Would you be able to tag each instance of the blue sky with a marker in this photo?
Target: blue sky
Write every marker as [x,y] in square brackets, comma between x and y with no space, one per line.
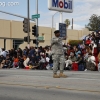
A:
[81,14]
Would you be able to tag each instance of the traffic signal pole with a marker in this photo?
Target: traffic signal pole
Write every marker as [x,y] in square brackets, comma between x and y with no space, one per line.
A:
[16,15]
[37,23]
[28,14]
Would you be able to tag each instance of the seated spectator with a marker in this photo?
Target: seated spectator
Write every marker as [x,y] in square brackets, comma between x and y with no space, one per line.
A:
[97,39]
[99,57]
[87,53]
[33,62]
[21,60]
[70,60]
[79,59]
[99,61]
[34,59]
[48,51]
[2,61]
[47,61]
[4,53]
[94,49]
[98,47]
[74,47]
[6,63]
[15,62]
[72,57]
[51,62]
[91,63]
[26,60]
[38,57]
[88,42]
[80,62]
[47,58]
[31,52]
[19,52]
[77,51]
[42,62]
[69,50]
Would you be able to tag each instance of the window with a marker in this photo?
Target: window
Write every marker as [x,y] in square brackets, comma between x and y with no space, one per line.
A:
[16,43]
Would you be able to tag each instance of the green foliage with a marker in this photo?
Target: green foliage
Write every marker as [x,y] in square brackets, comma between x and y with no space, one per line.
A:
[75,42]
[67,22]
[94,23]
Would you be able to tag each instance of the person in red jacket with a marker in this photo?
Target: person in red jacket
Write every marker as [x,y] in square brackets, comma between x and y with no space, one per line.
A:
[88,41]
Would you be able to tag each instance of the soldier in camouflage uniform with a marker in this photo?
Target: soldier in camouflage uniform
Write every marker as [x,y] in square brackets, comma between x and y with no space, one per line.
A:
[58,55]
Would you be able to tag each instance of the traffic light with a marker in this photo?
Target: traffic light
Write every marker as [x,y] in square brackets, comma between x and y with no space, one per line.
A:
[35,41]
[34,28]
[26,39]
[25,25]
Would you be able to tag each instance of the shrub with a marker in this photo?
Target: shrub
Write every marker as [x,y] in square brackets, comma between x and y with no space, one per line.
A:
[75,42]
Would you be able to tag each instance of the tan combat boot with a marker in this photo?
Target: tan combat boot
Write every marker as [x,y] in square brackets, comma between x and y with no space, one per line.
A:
[62,75]
[56,76]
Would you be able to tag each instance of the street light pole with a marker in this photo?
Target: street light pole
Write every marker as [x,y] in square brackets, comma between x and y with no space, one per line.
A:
[52,22]
[61,17]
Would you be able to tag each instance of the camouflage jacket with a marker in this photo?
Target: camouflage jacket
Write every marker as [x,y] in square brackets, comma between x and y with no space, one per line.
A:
[57,45]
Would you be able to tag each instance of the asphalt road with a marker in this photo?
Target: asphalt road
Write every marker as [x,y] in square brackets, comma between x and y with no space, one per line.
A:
[40,85]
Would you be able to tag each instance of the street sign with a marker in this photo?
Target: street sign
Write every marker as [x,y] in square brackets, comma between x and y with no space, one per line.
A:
[41,38]
[62,29]
[36,16]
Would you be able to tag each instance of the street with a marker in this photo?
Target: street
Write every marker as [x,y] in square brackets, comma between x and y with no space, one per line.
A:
[40,85]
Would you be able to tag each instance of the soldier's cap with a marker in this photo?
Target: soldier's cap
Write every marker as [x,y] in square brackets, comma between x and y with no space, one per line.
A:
[57,31]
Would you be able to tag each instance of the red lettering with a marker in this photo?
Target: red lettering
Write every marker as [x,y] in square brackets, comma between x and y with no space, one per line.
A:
[61,4]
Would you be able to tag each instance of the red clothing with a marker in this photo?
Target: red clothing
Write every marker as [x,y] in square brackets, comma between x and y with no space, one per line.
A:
[16,60]
[88,41]
[96,62]
[69,51]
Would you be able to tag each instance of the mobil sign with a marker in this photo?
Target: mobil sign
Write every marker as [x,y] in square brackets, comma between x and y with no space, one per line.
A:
[61,5]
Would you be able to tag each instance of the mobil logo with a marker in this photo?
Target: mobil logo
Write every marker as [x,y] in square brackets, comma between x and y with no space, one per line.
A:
[62,4]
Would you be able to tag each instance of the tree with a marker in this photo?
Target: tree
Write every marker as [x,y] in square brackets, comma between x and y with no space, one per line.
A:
[94,23]
[67,22]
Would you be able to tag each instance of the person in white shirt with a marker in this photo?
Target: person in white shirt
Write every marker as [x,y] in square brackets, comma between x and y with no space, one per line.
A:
[47,61]
[26,60]
[0,51]
[4,53]
[91,63]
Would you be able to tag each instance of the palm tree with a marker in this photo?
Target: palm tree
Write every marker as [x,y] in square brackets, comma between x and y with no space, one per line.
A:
[67,22]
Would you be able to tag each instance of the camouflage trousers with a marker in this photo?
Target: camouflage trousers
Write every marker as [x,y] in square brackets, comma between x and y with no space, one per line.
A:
[58,62]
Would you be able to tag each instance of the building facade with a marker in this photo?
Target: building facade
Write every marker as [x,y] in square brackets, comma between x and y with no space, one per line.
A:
[11,34]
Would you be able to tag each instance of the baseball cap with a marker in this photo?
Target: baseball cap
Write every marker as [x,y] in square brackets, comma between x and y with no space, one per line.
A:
[57,31]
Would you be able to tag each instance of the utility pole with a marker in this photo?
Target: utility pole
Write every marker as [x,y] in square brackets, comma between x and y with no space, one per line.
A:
[72,23]
[28,14]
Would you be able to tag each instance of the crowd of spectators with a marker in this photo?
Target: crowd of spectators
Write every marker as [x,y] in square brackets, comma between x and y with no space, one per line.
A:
[85,56]
[35,58]
[82,57]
